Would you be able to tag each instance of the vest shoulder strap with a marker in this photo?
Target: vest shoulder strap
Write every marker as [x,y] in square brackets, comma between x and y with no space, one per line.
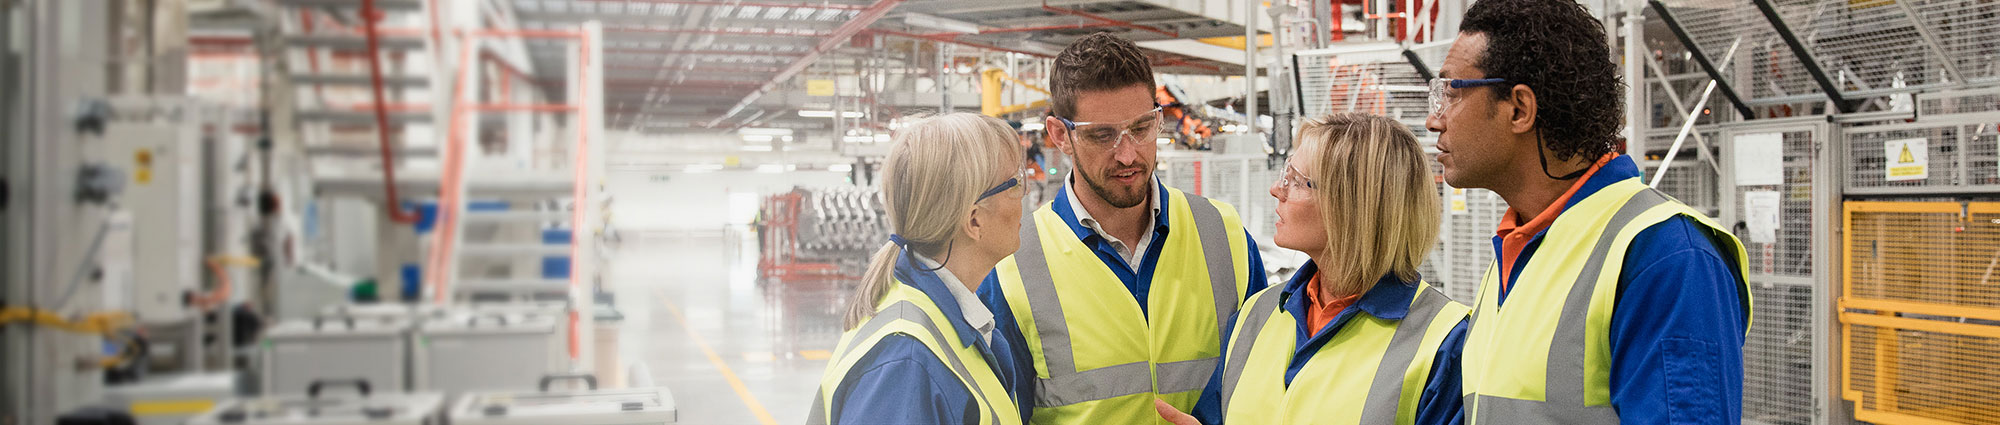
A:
[1248,326]
[906,318]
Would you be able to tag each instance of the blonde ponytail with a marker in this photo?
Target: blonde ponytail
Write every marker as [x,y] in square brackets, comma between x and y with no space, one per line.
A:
[934,172]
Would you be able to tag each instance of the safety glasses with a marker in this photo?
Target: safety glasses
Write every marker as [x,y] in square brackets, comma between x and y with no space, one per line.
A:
[1444,91]
[1107,135]
[1010,183]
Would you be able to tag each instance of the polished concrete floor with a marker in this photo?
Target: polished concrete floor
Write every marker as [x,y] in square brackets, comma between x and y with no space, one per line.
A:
[733,349]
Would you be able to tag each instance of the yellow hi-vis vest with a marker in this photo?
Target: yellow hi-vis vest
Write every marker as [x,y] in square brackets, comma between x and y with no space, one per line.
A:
[1098,358]
[1371,372]
[1546,357]
[905,310]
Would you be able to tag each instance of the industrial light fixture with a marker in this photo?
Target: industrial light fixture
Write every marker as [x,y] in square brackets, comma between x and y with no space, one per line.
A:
[1032,125]
[757,138]
[828,114]
[756,148]
[840,168]
[941,24]
[771,168]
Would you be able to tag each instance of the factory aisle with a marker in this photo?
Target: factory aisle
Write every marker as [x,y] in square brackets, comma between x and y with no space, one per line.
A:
[732,350]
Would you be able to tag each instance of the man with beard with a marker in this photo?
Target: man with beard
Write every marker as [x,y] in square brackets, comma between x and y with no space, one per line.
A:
[1122,285]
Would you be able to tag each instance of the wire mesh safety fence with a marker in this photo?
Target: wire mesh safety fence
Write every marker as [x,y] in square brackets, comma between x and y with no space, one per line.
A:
[1376,81]
[1921,310]
[1774,220]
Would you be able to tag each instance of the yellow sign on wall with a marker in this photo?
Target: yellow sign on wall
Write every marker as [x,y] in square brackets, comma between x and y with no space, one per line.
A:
[819,87]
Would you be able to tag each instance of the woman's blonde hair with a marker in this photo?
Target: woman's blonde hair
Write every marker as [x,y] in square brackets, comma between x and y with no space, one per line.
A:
[935,171]
[1376,194]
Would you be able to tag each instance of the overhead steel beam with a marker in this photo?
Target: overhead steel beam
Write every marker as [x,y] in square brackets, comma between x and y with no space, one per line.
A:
[953,39]
[1721,84]
[840,36]
[820,5]
[1799,51]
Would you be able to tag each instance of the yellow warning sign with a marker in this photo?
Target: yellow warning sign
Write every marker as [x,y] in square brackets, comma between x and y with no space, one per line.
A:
[1909,160]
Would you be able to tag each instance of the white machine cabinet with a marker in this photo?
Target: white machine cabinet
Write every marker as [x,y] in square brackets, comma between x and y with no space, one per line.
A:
[634,406]
[297,353]
[485,352]
[364,408]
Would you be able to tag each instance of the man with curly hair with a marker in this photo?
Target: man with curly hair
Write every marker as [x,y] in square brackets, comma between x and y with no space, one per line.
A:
[1609,302]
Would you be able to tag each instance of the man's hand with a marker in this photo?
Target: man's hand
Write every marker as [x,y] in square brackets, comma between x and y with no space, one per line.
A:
[1168,412]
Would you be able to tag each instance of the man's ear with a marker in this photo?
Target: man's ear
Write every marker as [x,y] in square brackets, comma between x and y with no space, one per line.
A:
[1522,100]
[1058,135]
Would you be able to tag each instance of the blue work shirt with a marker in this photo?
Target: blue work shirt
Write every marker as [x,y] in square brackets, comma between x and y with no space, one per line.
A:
[1441,402]
[1138,280]
[1677,325]
[902,381]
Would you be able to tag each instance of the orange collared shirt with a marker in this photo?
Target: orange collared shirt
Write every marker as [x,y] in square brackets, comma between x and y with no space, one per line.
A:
[1514,235]
[1319,310]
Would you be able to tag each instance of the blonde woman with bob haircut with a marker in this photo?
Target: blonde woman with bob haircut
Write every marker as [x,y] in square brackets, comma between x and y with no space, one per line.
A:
[918,339]
[1356,337]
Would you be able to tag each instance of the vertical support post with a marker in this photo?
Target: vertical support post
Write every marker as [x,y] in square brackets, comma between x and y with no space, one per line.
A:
[1250,67]
[1635,82]
[589,178]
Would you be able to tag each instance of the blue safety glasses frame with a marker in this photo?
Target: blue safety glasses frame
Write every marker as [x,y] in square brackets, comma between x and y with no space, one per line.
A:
[1442,97]
[997,189]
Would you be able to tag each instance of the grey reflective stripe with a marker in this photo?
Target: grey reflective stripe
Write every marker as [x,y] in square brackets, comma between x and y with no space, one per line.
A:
[907,311]
[1239,352]
[1185,375]
[1564,376]
[1065,384]
[1215,251]
[1502,410]
[1097,384]
[818,414]
[1385,395]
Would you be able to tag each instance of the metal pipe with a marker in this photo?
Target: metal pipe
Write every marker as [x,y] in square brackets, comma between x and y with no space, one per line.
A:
[1714,73]
[1688,124]
[1799,51]
[390,202]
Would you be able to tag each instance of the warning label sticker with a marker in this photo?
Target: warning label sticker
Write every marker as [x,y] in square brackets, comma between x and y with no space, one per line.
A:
[1907,159]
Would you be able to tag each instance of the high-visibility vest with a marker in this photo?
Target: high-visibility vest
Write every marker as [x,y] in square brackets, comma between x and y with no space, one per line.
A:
[905,310]
[1546,357]
[1098,358]
[1372,371]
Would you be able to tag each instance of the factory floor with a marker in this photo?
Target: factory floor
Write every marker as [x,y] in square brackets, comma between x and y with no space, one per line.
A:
[731,349]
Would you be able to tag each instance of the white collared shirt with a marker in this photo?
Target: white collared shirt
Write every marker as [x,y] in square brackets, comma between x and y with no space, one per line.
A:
[975,312]
[1133,252]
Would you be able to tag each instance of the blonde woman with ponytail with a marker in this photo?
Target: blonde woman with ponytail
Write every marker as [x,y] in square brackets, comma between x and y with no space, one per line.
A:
[918,340]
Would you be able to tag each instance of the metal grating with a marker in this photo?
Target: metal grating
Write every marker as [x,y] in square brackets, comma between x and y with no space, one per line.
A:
[1791,255]
[1923,312]
[1375,81]
[1982,155]
[1871,45]
[1777,355]
[1690,180]
[1868,162]
[1763,67]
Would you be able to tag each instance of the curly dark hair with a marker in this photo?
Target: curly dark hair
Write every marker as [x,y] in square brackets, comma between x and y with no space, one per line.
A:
[1096,62]
[1558,50]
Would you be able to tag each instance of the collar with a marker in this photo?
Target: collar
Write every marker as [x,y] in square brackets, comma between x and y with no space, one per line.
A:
[1073,213]
[910,272]
[1611,168]
[1389,299]
[975,312]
